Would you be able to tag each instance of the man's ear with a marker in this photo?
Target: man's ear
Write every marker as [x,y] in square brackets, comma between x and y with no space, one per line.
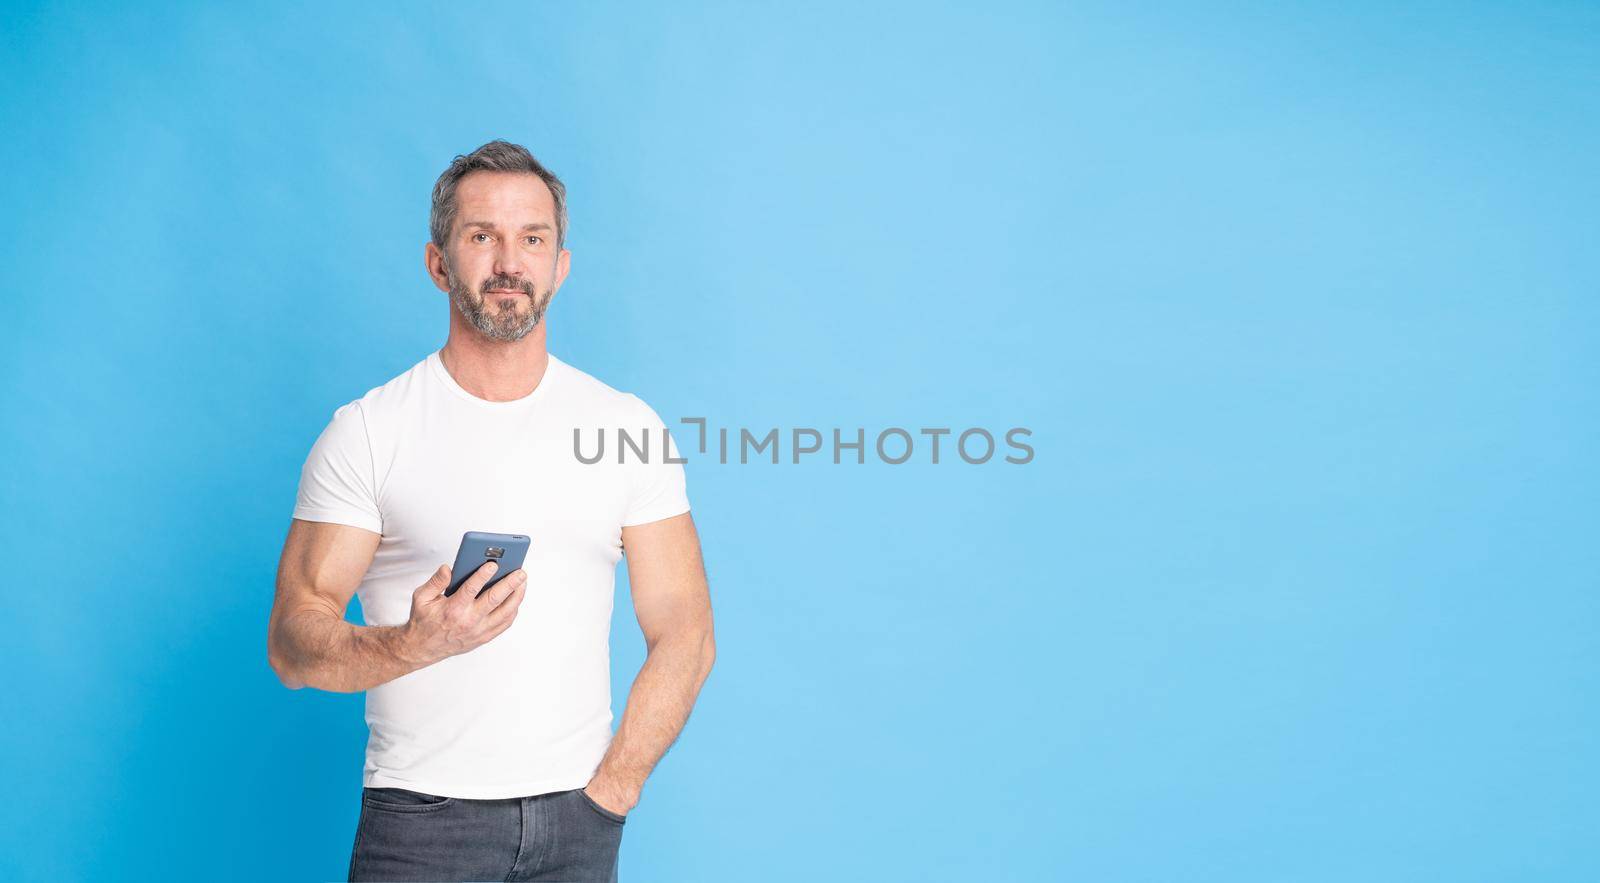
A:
[563,264]
[434,261]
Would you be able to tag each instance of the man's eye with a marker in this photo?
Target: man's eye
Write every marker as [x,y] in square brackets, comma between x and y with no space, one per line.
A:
[475,236]
[534,240]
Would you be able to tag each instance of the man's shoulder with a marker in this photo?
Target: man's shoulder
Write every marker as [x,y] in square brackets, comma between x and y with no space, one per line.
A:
[590,391]
[580,389]
[390,395]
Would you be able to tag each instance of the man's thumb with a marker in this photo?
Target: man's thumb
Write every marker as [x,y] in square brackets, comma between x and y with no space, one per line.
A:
[436,584]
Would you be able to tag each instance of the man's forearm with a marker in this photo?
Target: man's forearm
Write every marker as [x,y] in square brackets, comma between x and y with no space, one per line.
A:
[317,649]
[658,706]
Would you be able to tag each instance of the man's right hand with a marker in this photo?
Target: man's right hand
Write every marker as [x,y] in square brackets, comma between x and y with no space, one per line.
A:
[442,627]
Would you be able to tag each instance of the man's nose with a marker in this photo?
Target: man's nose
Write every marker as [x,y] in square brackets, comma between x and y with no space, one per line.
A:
[508,259]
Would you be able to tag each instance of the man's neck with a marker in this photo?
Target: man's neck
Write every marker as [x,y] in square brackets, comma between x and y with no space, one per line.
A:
[496,370]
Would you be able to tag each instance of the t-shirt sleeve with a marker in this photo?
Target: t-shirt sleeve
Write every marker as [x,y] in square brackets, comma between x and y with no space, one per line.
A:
[656,487]
[336,482]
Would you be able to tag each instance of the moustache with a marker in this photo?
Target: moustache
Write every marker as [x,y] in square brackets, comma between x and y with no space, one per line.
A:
[514,284]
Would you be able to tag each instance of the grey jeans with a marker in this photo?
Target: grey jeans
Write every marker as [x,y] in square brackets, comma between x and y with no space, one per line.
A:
[408,835]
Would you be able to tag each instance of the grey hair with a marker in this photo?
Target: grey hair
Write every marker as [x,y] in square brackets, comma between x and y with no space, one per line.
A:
[496,156]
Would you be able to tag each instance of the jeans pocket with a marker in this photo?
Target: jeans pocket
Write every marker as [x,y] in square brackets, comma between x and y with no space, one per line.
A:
[403,800]
[604,813]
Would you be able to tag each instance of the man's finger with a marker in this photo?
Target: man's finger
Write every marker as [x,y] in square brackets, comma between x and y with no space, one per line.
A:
[436,584]
[474,583]
[502,590]
[507,610]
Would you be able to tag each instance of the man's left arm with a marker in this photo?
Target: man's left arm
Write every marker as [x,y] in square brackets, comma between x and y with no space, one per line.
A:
[673,604]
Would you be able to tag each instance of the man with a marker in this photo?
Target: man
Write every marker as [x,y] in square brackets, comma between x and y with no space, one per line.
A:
[490,753]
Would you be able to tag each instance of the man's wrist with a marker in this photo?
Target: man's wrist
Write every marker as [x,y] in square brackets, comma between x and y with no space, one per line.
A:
[397,640]
[614,789]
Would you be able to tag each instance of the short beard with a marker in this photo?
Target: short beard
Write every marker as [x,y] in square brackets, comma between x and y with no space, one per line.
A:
[502,323]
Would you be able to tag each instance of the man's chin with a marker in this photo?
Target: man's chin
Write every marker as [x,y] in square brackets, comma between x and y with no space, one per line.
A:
[513,331]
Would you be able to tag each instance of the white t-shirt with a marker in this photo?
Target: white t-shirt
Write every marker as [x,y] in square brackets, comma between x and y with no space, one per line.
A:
[420,461]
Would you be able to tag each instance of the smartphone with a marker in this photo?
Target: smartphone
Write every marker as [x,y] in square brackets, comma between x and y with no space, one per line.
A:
[506,550]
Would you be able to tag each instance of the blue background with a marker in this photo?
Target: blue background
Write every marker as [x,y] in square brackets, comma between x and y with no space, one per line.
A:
[1298,300]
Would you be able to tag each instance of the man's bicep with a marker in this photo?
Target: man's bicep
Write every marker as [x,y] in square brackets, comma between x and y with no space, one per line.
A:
[322,566]
[656,485]
[336,480]
[667,576]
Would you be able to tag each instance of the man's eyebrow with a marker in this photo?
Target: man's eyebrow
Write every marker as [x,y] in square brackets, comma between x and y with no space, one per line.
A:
[538,225]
